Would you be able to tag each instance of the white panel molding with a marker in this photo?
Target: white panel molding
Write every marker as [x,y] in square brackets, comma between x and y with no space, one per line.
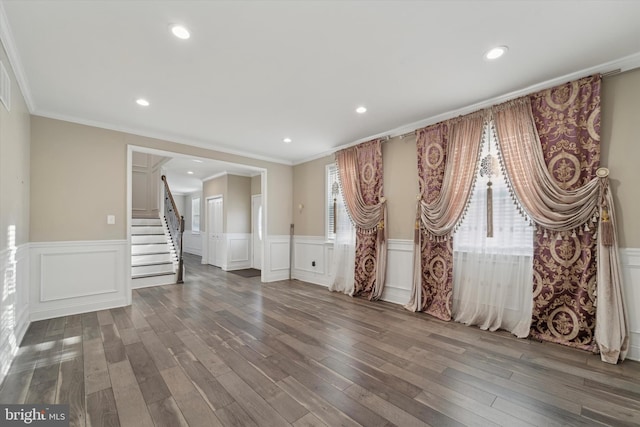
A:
[192,242]
[276,262]
[14,303]
[55,268]
[399,265]
[399,278]
[630,263]
[306,250]
[238,251]
[76,277]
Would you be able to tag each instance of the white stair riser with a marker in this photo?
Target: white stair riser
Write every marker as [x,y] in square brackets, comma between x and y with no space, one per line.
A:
[152,269]
[147,230]
[144,259]
[146,221]
[148,239]
[144,282]
[150,245]
[149,249]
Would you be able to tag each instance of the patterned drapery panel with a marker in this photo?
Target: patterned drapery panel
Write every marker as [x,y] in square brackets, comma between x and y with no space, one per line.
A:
[360,172]
[437,257]
[567,120]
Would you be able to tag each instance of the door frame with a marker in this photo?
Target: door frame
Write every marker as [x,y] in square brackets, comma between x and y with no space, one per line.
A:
[186,152]
[253,235]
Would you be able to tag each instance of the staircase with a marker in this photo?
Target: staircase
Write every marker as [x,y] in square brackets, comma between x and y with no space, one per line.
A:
[153,258]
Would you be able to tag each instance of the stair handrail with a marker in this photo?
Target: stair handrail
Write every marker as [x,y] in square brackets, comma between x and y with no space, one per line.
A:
[175,223]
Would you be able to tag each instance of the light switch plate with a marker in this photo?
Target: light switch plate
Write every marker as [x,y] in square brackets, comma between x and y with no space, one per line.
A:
[111,219]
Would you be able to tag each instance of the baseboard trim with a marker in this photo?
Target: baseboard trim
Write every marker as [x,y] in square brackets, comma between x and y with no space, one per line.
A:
[77,309]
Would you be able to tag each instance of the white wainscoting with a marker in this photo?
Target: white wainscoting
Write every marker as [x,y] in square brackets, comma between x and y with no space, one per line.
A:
[276,258]
[76,277]
[308,250]
[14,303]
[238,251]
[192,242]
[316,248]
[399,278]
[630,260]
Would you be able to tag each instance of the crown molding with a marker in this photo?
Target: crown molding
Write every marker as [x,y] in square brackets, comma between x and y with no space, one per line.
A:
[164,137]
[617,66]
[214,176]
[6,37]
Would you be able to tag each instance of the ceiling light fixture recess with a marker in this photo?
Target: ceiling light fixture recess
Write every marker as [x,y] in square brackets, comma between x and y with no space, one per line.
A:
[361,110]
[180,32]
[190,172]
[142,102]
[495,53]
[287,140]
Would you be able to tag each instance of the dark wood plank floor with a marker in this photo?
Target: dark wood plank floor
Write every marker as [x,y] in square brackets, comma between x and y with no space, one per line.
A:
[223,350]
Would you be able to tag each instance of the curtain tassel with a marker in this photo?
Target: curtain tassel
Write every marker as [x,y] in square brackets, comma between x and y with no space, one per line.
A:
[607,228]
[489,209]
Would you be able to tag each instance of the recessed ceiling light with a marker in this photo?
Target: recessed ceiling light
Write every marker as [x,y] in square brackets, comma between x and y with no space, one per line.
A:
[496,52]
[287,140]
[143,102]
[190,172]
[180,32]
[361,110]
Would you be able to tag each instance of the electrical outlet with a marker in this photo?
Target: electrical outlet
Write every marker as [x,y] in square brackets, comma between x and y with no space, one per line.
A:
[313,263]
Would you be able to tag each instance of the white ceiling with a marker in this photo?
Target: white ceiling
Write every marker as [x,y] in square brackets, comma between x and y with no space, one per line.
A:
[255,72]
[181,182]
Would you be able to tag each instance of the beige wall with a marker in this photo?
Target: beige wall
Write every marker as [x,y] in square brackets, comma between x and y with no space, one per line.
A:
[238,204]
[14,165]
[213,188]
[309,190]
[236,201]
[78,177]
[620,153]
[256,185]
[400,185]
[400,189]
[79,174]
[620,150]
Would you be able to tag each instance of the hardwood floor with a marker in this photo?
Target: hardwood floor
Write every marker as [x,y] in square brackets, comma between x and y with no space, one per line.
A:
[223,350]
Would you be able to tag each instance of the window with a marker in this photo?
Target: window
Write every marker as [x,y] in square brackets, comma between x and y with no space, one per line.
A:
[332,191]
[195,215]
[512,234]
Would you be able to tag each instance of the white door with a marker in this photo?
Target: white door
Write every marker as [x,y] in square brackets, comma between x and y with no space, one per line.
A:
[215,233]
[257,230]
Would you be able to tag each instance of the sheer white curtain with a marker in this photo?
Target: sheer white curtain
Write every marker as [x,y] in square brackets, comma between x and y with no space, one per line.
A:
[493,275]
[344,251]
